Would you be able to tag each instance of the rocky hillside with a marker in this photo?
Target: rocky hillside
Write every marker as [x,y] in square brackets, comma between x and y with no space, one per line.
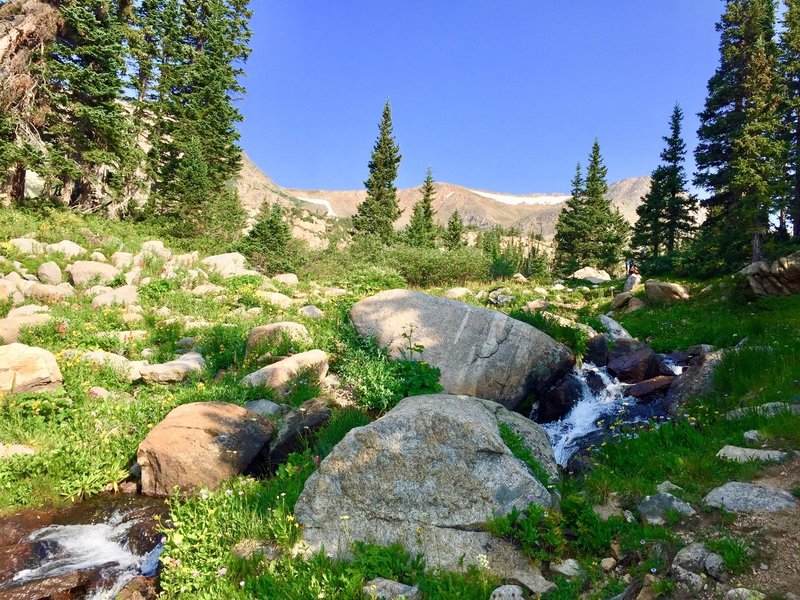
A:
[536,213]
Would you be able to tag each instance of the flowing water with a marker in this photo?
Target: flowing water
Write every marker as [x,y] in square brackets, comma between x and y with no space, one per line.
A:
[100,538]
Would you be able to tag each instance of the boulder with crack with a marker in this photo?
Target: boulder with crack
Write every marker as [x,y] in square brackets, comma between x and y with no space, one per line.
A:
[429,475]
[479,352]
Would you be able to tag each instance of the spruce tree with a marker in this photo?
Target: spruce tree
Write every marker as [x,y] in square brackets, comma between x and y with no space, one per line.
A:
[421,229]
[741,153]
[790,67]
[380,209]
[589,231]
[454,233]
[666,214]
[88,132]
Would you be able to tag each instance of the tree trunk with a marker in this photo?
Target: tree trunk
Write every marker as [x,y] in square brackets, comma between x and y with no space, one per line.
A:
[17,187]
[794,206]
[757,256]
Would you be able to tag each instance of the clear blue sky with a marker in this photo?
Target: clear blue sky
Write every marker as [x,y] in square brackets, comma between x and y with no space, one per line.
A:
[504,95]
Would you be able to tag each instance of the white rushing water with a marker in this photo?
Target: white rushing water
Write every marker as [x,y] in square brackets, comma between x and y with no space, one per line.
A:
[72,548]
[584,416]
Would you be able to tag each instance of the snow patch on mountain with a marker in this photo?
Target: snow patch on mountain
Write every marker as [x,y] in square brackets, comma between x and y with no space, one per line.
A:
[544,199]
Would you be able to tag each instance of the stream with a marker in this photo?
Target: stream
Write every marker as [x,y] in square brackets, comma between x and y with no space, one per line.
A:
[602,403]
[107,541]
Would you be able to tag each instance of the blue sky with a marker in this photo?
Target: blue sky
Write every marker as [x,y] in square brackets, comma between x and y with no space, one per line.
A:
[504,95]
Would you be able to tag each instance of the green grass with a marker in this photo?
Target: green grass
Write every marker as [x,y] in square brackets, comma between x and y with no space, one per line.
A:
[738,556]
[516,444]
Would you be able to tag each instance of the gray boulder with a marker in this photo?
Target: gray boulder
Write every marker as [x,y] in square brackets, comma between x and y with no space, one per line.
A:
[631,282]
[508,592]
[742,455]
[480,352]
[386,589]
[780,278]
[428,475]
[50,273]
[696,381]
[174,371]
[280,375]
[736,496]
[614,329]
[84,272]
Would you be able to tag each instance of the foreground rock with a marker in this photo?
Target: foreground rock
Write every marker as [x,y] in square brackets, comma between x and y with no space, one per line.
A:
[200,444]
[281,375]
[780,278]
[428,475]
[11,327]
[749,497]
[386,589]
[480,352]
[227,265]
[28,369]
[633,363]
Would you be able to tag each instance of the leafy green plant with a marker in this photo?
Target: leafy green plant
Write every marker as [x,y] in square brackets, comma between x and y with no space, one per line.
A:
[222,346]
[536,529]
[391,562]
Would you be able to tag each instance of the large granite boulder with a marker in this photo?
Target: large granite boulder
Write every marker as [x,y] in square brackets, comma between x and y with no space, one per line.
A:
[122,296]
[736,496]
[780,278]
[200,444]
[633,362]
[428,475]
[11,327]
[480,352]
[227,265]
[662,292]
[28,369]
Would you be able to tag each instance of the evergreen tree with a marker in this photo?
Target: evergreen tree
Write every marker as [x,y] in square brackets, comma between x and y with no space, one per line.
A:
[454,233]
[88,132]
[421,229]
[790,67]
[268,244]
[380,209]
[741,153]
[589,232]
[666,214]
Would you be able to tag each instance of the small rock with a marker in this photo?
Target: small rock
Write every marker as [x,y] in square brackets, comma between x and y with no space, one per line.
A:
[744,594]
[129,488]
[248,548]
[386,589]
[612,508]
[50,273]
[668,487]
[275,298]
[568,568]
[280,375]
[752,436]
[654,509]
[274,332]
[535,306]
[174,371]
[736,496]
[692,581]
[508,592]
[608,564]
[457,293]
[98,256]
[614,329]
[15,450]
[743,455]
[311,312]
[287,279]
[266,408]
[715,566]
[99,392]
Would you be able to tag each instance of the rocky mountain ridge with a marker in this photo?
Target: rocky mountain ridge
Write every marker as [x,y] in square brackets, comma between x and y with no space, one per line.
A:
[532,213]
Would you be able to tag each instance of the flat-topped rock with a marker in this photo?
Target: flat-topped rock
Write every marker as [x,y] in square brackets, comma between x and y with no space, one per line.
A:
[663,292]
[27,246]
[592,275]
[279,376]
[311,312]
[122,296]
[87,272]
[287,279]
[457,293]
[11,327]
[479,352]
[50,293]
[737,496]
[49,273]
[28,369]
[275,298]
[68,248]
[129,369]
[174,371]
[742,455]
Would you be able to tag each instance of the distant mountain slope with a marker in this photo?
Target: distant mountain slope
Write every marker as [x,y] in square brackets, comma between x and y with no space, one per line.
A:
[536,213]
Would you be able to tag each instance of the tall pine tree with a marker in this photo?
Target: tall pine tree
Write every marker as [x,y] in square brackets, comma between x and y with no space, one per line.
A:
[790,67]
[88,132]
[666,214]
[741,150]
[421,229]
[380,209]
[589,231]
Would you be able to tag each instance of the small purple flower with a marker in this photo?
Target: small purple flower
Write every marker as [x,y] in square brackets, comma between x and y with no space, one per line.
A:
[222,571]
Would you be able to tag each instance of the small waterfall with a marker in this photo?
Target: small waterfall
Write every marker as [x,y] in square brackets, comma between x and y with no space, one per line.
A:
[103,546]
[582,420]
